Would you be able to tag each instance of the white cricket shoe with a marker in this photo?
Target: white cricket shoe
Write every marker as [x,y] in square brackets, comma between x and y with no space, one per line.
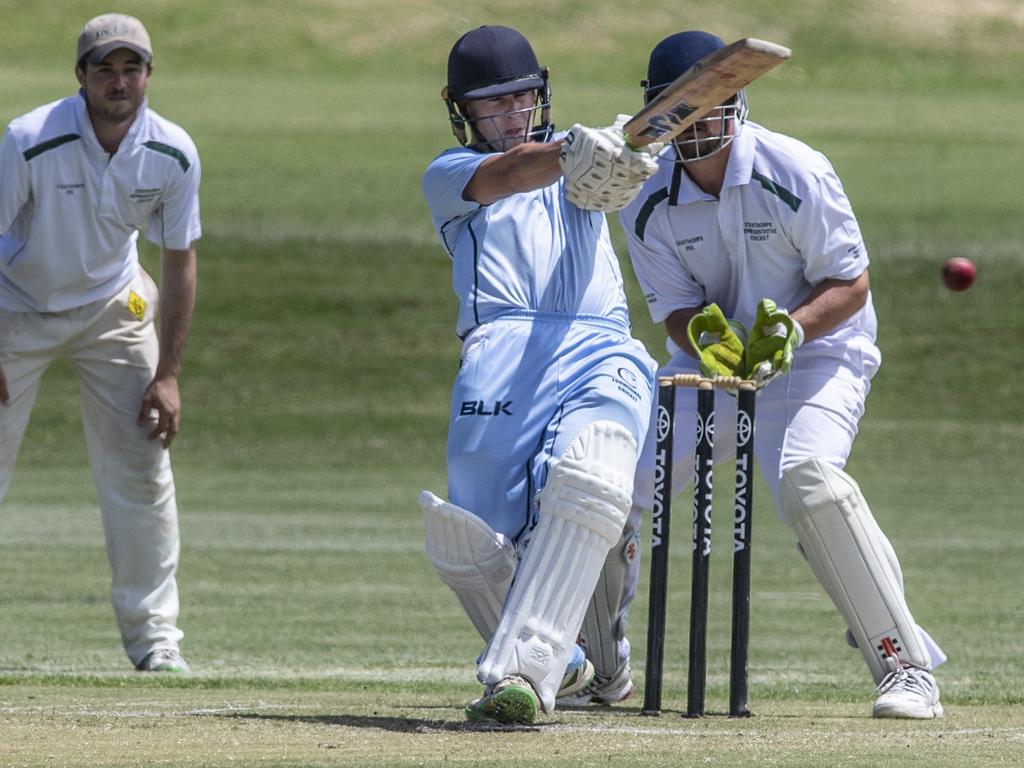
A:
[511,701]
[164,660]
[611,690]
[908,693]
[579,673]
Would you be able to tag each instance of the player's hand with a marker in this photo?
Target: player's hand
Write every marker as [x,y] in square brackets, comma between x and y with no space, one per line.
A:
[773,339]
[718,342]
[4,394]
[163,397]
[601,172]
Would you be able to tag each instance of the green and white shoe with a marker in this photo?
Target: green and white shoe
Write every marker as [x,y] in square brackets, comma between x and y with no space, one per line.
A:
[579,673]
[511,701]
[164,660]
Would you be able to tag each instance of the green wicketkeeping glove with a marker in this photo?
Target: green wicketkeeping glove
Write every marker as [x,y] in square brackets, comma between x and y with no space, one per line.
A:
[772,340]
[718,342]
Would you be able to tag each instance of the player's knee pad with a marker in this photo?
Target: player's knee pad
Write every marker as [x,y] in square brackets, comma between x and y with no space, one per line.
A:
[604,625]
[854,562]
[592,482]
[474,561]
[583,508]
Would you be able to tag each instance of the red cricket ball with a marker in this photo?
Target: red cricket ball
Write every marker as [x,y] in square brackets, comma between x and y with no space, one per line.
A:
[958,273]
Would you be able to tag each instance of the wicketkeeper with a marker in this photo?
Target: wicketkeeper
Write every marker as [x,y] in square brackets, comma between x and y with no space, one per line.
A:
[79,179]
[747,248]
[553,395]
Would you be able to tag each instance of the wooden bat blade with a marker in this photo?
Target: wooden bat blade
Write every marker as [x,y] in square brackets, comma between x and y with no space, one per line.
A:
[707,84]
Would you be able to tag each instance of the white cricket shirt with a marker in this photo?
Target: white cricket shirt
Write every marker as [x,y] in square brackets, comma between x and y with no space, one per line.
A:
[781,226]
[530,252]
[70,213]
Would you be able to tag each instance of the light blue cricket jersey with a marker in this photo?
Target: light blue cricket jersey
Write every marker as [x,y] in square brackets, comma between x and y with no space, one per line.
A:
[531,252]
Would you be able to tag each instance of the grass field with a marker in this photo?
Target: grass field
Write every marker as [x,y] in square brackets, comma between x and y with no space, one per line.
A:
[317,377]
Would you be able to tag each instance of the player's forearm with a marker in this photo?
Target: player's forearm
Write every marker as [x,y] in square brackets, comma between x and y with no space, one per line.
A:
[523,168]
[177,300]
[830,304]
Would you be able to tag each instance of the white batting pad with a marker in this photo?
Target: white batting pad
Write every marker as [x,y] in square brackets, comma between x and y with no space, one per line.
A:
[583,509]
[472,559]
[604,624]
[854,562]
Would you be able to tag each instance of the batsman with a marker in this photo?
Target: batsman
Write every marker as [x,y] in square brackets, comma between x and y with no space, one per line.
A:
[746,246]
[553,394]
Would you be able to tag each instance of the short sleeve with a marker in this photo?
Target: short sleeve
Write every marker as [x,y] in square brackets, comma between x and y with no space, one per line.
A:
[16,187]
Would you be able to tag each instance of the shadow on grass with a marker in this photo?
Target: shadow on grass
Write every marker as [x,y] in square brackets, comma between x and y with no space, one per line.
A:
[570,716]
[384,723]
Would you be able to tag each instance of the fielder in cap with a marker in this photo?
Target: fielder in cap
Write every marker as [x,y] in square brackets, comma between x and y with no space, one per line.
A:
[747,248]
[79,179]
[553,394]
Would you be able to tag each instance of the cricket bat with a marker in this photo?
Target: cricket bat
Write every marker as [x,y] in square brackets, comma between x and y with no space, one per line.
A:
[704,86]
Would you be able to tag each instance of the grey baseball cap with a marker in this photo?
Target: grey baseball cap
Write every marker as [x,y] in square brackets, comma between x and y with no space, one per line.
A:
[109,32]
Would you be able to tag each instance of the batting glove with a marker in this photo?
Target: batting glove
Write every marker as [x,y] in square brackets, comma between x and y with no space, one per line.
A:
[601,172]
[653,149]
[718,342]
[773,339]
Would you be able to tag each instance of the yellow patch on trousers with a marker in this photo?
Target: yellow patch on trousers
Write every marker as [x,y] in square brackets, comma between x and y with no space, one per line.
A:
[136,304]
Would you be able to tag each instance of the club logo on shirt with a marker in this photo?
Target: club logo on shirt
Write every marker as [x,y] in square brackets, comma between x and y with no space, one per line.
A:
[690,243]
[625,382]
[758,231]
[481,408]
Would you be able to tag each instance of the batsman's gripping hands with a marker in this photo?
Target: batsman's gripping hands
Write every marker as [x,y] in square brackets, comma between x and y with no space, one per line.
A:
[773,339]
[718,342]
[602,173]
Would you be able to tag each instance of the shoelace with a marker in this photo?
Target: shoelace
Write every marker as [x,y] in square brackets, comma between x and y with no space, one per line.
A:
[902,680]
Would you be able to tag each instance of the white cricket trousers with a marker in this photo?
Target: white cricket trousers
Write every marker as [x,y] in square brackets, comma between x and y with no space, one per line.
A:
[114,355]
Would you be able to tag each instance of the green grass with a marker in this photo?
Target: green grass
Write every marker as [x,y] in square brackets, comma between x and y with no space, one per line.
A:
[316,394]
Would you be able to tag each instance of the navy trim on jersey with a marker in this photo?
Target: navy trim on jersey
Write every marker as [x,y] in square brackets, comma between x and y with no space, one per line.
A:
[779,191]
[444,237]
[170,151]
[38,149]
[648,208]
[476,273]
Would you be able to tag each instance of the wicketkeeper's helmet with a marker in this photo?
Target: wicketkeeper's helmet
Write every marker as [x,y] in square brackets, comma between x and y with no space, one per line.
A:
[492,61]
[671,58]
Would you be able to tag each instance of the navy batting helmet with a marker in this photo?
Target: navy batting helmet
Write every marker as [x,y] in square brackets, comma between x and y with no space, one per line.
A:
[713,132]
[674,55]
[493,61]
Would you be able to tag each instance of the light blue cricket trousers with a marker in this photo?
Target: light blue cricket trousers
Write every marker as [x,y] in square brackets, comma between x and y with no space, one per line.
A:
[528,383]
